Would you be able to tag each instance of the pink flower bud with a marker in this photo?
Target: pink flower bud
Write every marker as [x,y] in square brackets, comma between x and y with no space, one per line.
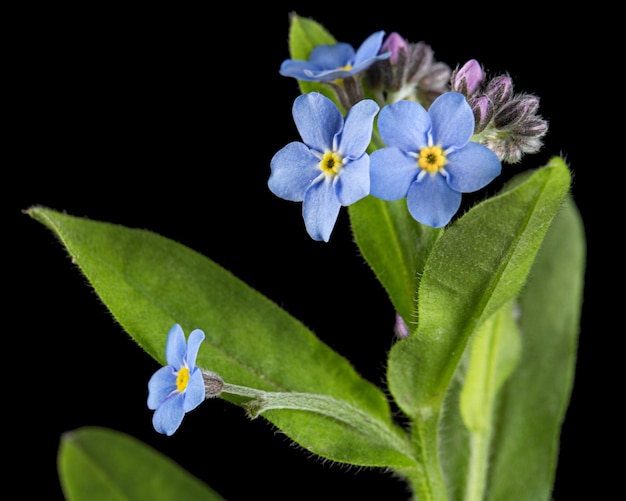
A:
[394,44]
[400,328]
[500,89]
[468,78]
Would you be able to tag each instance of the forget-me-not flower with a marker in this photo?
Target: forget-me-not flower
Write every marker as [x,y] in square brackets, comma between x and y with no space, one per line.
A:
[330,167]
[429,158]
[335,61]
[178,387]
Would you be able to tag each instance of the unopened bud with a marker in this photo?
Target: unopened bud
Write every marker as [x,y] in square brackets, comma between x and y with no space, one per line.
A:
[213,384]
[515,111]
[534,127]
[400,328]
[468,78]
[395,44]
[436,78]
[499,89]
[421,56]
[483,112]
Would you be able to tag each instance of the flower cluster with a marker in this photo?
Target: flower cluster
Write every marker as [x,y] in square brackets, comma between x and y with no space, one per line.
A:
[411,72]
[439,133]
[506,122]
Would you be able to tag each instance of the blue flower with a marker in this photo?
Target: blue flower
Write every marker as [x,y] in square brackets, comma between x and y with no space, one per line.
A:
[330,168]
[429,158]
[178,387]
[336,61]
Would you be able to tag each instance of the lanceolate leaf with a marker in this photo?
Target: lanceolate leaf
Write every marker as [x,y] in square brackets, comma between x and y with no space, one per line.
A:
[478,264]
[395,246]
[149,283]
[98,464]
[535,398]
[493,355]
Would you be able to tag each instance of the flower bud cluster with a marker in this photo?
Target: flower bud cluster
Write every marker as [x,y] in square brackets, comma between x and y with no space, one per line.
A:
[505,121]
[411,72]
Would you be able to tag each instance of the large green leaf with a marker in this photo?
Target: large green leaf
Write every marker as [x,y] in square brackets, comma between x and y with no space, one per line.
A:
[99,464]
[535,398]
[395,246]
[492,356]
[477,265]
[149,283]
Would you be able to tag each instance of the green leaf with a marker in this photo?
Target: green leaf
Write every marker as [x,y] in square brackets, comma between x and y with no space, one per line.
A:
[339,411]
[493,354]
[99,464]
[149,283]
[395,246]
[304,35]
[535,398]
[477,265]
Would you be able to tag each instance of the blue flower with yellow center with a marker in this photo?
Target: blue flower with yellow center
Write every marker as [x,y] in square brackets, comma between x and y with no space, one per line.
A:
[335,61]
[429,158]
[330,167]
[178,387]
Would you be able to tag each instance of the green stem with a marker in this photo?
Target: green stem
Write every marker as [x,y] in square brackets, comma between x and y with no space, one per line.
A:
[494,353]
[339,410]
[427,479]
[477,473]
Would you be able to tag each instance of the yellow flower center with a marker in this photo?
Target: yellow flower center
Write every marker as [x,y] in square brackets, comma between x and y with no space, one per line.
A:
[347,67]
[331,162]
[182,379]
[431,159]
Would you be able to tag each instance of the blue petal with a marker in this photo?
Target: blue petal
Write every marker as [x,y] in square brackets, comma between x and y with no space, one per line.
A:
[472,168]
[160,386]
[169,415]
[320,209]
[353,181]
[391,173]
[293,169]
[432,202]
[331,57]
[296,68]
[175,347]
[452,119]
[358,68]
[195,392]
[318,120]
[327,75]
[404,125]
[193,345]
[369,48]
[357,129]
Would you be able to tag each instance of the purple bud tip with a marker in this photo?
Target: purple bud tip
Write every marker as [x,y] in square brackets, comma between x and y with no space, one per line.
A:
[394,43]
[400,328]
[482,106]
[473,75]
[500,89]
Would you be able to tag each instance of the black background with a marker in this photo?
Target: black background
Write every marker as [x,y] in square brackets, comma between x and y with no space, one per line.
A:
[166,118]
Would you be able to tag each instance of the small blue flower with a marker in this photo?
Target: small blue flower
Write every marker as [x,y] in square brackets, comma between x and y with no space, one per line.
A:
[429,158]
[331,62]
[330,168]
[178,387]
